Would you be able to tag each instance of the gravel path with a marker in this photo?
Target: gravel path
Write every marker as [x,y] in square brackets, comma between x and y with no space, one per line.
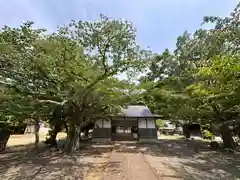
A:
[131,165]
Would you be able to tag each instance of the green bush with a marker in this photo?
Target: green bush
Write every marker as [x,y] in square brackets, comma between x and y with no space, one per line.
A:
[207,134]
[159,123]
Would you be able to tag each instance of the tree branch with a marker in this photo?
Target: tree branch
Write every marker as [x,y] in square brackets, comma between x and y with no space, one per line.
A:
[52,102]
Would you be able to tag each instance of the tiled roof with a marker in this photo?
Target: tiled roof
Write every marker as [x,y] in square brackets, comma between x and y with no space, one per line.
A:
[137,111]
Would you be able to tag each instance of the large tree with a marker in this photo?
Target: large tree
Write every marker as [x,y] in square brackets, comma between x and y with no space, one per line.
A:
[200,80]
[73,68]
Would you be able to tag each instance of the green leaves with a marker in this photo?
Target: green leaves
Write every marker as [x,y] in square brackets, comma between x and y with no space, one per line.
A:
[74,66]
[202,73]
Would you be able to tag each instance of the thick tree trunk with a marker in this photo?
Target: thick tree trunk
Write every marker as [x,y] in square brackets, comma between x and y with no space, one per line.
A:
[86,132]
[66,127]
[36,131]
[73,139]
[186,131]
[77,123]
[77,137]
[68,145]
[53,135]
[226,132]
[227,136]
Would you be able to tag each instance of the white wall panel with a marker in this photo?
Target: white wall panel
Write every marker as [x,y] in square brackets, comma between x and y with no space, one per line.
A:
[150,123]
[98,123]
[142,123]
[107,124]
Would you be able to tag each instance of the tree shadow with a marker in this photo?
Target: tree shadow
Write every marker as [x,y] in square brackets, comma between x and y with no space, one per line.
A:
[192,159]
[185,159]
[177,159]
[126,147]
[21,162]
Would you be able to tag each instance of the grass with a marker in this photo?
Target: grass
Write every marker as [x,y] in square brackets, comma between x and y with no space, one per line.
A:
[170,137]
[175,137]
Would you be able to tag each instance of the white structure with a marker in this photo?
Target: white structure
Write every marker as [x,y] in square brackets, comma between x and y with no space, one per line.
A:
[133,123]
[30,129]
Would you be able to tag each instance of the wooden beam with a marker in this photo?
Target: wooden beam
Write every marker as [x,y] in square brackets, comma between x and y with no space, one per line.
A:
[146,122]
[138,128]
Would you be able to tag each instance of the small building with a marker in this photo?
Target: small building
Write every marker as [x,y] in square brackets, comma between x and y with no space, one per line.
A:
[192,130]
[167,128]
[170,128]
[134,123]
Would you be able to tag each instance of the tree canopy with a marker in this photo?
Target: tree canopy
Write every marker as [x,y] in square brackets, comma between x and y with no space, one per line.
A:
[75,69]
[199,82]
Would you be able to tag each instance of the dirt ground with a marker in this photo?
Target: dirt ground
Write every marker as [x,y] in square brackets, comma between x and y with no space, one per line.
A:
[166,160]
[23,139]
[190,160]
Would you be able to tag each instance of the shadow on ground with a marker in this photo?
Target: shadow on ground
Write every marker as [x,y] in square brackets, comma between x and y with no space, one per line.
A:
[188,160]
[20,162]
[197,160]
[170,159]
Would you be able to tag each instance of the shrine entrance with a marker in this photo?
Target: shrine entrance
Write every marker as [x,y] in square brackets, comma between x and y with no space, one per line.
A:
[124,130]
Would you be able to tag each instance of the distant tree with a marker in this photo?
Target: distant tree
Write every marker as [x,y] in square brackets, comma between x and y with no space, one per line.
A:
[203,80]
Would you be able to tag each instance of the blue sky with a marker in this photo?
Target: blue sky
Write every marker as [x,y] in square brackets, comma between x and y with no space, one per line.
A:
[158,22]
